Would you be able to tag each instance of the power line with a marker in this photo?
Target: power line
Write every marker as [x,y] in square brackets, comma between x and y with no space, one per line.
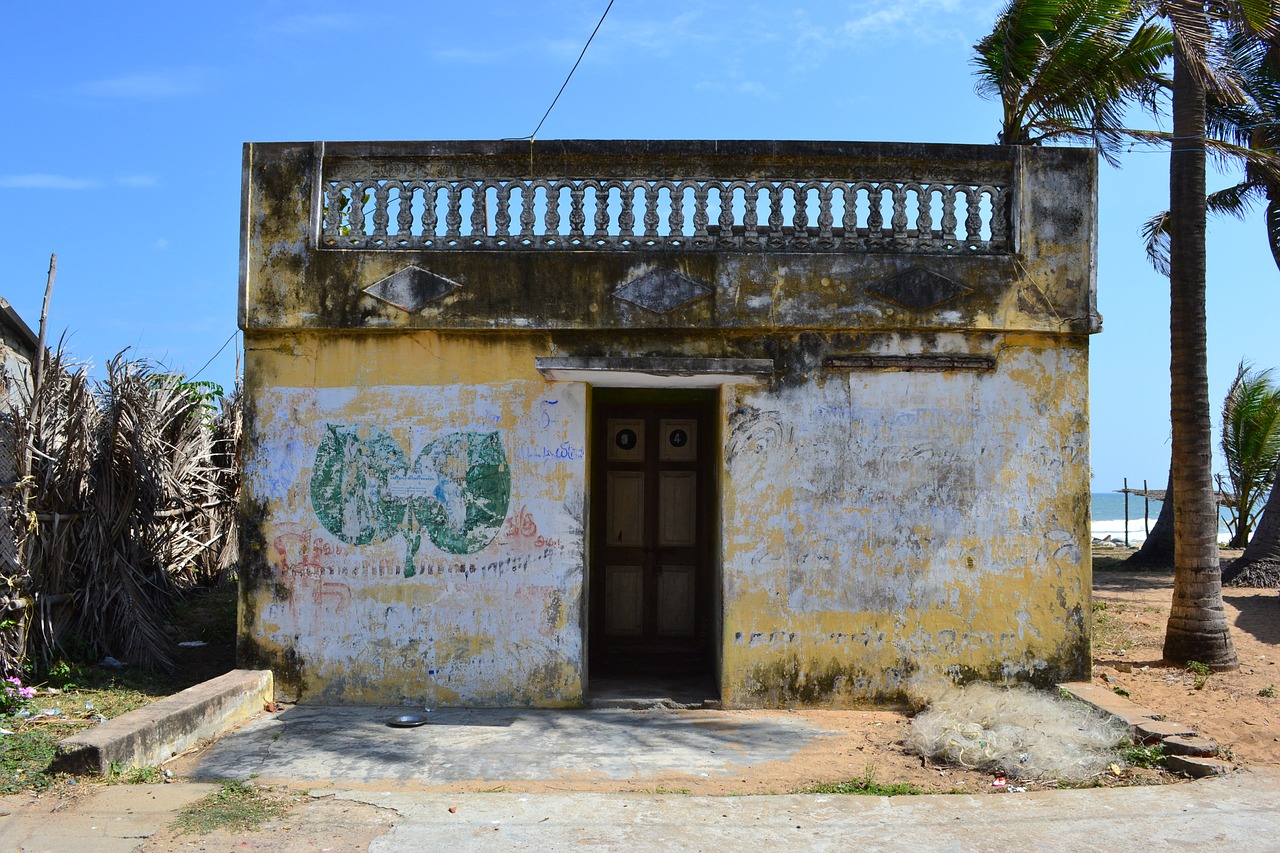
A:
[215,355]
[570,76]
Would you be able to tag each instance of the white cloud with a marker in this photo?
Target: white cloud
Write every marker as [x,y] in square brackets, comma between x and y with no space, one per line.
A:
[160,85]
[923,20]
[43,181]
[47,181]
[752,87]
[465,56]
[306,25]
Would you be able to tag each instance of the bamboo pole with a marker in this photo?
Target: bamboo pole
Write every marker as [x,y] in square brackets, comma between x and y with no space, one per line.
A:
[1126,512]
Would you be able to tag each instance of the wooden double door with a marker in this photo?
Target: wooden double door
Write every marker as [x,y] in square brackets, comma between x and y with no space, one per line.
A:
[652,508]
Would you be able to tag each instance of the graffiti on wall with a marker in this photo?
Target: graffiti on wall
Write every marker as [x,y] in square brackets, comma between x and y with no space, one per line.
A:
[365,490]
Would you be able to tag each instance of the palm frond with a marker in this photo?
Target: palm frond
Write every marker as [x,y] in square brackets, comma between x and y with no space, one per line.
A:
[1155,238]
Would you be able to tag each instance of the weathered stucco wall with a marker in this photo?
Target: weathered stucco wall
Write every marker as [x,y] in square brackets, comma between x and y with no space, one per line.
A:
[469,560]
[881,528]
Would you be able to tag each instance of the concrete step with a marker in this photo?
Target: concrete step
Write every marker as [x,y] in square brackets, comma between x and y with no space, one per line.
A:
[152,735]
[1183,745]
[1197,767]
[1109,702]
[1156,731]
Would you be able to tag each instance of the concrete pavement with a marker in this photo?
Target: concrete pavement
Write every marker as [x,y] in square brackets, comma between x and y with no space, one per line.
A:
[354,746]
[396,790]
[1234,813]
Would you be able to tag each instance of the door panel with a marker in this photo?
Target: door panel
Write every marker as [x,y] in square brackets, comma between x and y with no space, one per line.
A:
[677,508]
[625,507]
[675,601]
[624,608]
[651,510]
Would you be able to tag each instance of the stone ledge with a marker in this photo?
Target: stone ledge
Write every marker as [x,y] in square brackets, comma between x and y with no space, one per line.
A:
[1110,702]
[1183,745]
[1156,731]
[168,726]
[1198,767]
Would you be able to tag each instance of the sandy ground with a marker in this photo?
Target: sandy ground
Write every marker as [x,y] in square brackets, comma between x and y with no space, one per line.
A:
[1130,611]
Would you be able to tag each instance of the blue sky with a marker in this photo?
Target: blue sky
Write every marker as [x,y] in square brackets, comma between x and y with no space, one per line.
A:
[126,123]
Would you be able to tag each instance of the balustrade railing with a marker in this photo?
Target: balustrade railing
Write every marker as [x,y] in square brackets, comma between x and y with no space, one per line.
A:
[374,211]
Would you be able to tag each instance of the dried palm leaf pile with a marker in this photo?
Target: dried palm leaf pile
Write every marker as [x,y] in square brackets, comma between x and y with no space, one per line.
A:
[119,495]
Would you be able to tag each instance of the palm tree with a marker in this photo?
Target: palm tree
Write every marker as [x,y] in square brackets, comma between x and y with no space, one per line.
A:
[1251,445]
[1157,548]
[1066,70]
[1197,627]
[1237,130]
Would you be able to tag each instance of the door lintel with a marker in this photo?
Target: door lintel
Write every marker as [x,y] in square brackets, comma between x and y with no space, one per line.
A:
[656,372]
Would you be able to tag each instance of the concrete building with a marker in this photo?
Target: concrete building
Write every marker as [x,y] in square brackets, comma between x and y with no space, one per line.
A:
[17,353]
[806,420]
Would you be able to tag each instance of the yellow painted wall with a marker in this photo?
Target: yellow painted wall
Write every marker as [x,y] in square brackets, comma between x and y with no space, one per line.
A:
[882,528]
[364,451]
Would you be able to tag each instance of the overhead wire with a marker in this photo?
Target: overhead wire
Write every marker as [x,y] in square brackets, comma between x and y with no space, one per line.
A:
[568,77]
[215,355]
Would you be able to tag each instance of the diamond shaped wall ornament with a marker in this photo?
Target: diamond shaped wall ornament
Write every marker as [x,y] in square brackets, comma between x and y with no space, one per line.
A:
[918,288]
[411,289]
[662,290]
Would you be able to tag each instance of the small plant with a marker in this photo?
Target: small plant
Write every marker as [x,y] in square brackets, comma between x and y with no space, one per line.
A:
[135,775]
[1137,755]
[62,675]
[1268,692]
[236,807]
[1120,691]
[14,695]
[867,785]
[1201,672]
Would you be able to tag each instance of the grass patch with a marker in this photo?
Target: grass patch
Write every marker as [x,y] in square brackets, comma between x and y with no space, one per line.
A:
[1149,757]
[1110,632]
[25,757]
[867,786]
[80,691]
[135,775]
[235,807]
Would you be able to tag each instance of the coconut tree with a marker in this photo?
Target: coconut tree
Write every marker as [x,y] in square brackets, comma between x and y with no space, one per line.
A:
[1042,60]
[1251,445]
[1067,70]
[1247,131]
[1197,627]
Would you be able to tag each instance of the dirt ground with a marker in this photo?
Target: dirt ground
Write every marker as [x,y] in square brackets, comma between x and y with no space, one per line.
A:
[1232,708]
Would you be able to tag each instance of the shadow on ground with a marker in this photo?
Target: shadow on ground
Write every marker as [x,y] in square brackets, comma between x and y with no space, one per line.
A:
[354,746]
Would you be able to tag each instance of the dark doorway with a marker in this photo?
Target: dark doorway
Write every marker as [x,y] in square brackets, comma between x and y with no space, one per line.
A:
[653,499]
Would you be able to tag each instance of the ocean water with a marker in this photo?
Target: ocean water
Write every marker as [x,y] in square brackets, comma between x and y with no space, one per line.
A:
[1108,517]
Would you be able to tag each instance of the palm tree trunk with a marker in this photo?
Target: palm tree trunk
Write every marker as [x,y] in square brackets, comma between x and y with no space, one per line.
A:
[1197,628]
[1259,565]
[1157,549]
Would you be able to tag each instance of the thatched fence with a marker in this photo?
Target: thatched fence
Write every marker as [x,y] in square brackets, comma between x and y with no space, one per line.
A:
[118,495]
